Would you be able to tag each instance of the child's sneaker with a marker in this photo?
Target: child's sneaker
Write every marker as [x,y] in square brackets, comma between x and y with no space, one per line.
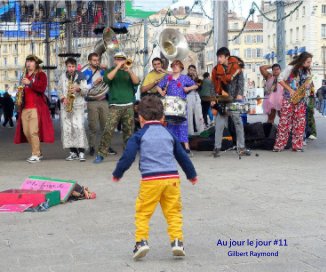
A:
[141,249]
[177,248]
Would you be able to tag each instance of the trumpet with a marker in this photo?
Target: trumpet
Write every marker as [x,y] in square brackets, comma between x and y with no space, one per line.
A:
[128,63]
[20,91]
[70,96]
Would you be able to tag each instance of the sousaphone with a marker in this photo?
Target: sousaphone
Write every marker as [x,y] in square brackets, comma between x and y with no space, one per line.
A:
[108,44]
[173,44]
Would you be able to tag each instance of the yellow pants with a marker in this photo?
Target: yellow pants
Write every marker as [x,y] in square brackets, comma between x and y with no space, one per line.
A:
[167,193]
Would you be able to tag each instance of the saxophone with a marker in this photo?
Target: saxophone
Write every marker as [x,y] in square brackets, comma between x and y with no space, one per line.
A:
[301,91]
[70,96]
[20,91]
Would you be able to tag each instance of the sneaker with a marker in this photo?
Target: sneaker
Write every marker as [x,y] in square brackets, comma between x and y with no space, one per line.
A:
[216,152]
[304,143]
[190,154]
[82,156]
[177,248]
[141,249]
[33,159]
[41,156]
[112,151]
[312,137]
[73,156]
[276,150]
[98,159]
[244,152]
[91,151]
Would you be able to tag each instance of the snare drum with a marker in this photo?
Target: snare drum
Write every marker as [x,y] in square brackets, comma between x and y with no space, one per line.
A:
[175,109]
[238,107]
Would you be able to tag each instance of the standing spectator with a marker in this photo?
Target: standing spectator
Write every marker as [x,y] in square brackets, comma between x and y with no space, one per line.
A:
[206,92]
[8,109]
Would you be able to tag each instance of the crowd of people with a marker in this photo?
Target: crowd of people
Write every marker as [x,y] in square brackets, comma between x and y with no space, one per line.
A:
[109,96]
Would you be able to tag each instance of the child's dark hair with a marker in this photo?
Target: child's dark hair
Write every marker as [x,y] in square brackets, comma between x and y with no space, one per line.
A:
[223,51]
[151,108]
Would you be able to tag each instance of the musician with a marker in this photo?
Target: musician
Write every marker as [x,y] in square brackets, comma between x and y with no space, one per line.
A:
[97,105]
[34,123]
[194,110]
[273,91]
[73,135]
[205,93]
[228,80]
[293,115]
[178,85]
[122,81]
[153,78]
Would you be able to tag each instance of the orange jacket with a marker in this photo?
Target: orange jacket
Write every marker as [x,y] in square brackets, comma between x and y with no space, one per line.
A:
[222,77]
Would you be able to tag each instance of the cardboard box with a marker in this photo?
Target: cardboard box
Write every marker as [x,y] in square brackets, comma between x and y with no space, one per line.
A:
[22,196]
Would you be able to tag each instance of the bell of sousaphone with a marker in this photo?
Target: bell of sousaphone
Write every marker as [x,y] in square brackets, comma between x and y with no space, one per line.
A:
[173,44]
[109,42]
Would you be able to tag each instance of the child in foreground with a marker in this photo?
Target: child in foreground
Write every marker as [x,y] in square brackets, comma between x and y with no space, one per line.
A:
[159,150]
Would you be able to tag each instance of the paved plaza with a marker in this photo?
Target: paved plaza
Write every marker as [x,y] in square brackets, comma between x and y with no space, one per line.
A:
[268,196]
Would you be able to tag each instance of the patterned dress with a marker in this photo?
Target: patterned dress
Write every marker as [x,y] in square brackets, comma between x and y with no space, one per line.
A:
[293,116]
[175,88]
[73,133]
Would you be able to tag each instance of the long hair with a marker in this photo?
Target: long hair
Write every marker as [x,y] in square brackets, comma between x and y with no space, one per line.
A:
[299,61]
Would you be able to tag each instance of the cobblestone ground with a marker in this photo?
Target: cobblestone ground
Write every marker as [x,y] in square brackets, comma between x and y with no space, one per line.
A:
[267,197]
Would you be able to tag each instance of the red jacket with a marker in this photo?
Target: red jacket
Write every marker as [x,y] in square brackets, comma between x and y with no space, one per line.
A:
[46,130]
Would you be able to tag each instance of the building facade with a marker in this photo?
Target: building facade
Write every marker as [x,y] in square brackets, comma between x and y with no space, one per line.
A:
[305,30]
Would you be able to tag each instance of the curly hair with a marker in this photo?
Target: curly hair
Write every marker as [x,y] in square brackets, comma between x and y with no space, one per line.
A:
[299,61]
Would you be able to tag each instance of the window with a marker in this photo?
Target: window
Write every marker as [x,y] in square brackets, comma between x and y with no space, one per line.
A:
[274,40]
[269,40]
[235,52]
[323,9]
[248,39]
[16,60]
[259,53]
[291,35]
[16,75]
[4,61]
[248,53]
[297,34]
[303,32]
[260,39]
[5,48]
[303,11]
[237,40]
[323,30]
[297,14]
[15,48]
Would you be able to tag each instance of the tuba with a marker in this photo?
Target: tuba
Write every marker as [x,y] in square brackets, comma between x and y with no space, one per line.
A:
[173,44]
[108,44]
[70,96]
[301,91]
[20,91]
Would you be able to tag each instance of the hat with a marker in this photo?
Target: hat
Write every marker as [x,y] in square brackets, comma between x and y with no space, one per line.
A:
[120,55]
[34,58]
